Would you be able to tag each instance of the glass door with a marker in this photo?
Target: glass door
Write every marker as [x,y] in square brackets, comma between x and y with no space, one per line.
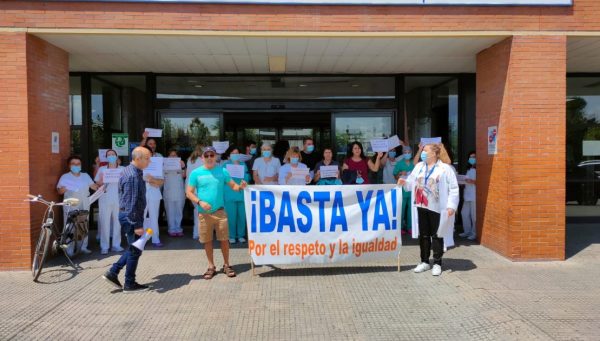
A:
[182,130]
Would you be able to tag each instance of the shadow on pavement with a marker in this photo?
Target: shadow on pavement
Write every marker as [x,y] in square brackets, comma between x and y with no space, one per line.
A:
[167,282]
[54,276]
[581,236]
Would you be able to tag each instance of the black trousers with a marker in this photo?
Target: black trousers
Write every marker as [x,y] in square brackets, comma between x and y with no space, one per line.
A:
[429,222]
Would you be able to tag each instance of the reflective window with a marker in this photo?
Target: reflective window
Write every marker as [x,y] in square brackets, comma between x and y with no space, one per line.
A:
[583,146]
[432,110]
[184,130]
[361,127]
[75,114]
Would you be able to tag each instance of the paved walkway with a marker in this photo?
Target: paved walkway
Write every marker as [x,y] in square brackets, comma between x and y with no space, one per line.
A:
[479,296]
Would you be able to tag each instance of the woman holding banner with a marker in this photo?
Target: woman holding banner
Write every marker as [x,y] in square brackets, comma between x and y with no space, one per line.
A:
[434,200]
[234,201]
[292,162]
[108,205]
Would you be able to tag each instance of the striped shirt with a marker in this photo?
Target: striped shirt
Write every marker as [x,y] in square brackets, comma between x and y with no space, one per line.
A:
[132,194]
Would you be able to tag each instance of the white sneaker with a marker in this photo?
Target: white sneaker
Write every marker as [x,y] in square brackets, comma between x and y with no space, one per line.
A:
[104,252]
[231,241]
[118,249]
[86,251]
[242,240]
[422,267]
[437,270]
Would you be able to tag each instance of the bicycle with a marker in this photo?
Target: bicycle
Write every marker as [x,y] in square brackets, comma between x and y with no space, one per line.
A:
[67,241]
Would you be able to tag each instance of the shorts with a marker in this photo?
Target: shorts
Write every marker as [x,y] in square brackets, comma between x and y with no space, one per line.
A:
[209,222]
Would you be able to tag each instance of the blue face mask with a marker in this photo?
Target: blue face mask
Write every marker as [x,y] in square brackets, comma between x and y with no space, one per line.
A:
[360,180]
[294,160]
[472,161]
[75,169]
[111,159]
[252,151]
[266,153]
[408,156]
[423,156]
[235,157]
[310,148]
[392,154]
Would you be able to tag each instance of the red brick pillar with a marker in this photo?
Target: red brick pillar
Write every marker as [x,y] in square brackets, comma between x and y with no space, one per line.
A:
[34,90]
[521,88]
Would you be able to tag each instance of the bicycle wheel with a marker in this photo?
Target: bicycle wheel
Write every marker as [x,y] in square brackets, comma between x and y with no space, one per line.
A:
[41,250]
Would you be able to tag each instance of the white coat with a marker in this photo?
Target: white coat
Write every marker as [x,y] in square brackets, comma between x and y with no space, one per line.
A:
[449,198]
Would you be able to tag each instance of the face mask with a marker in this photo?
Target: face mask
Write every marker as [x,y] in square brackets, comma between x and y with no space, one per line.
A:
[75,169]
[392,154]
[294,160]
[423,156]
[252,151]
[310,148]
[266,153]
[472,161]
[235,157]
[112,159]
[360,180]
[408,156]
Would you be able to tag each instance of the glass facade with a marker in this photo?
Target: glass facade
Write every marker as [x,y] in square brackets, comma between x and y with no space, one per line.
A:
[583,146]
[332,110]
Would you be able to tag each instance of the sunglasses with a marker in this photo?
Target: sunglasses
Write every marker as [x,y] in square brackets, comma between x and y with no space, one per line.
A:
[209,155]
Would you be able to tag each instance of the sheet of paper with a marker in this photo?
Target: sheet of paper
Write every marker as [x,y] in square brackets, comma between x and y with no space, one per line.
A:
[172,163]
[155,168]
[235,171]
[221,146]
[393,142]
[244,157]
[97,194]
[112,175]
[69,185]
[328,171]
[445,223]
[379,145]
[461,179]
[431,140]
[300,173]
[102,155]
[154,132]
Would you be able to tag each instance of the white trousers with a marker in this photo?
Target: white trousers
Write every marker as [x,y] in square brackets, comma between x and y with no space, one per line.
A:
[151,218]
[109,217]
[468,218]
[174,215]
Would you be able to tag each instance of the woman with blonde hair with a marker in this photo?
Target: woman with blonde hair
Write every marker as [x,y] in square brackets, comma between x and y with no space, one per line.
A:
[434,198]
[193,162]
[292,161]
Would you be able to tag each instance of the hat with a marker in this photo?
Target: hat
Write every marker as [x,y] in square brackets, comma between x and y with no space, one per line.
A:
[209,149]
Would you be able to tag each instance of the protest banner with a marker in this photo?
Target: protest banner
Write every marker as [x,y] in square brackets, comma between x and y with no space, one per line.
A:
[311,224]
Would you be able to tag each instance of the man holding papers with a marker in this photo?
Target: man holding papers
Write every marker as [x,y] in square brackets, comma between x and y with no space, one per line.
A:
[205,189]
[234,201]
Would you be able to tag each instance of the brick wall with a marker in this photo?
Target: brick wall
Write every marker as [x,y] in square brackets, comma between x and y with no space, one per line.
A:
[33,103]
[582,16]
[521,88]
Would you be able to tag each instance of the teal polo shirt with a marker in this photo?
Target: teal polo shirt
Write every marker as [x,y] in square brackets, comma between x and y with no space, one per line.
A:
[209,184]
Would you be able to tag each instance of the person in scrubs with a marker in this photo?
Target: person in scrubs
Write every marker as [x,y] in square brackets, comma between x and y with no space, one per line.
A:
[75,184]
[402,169]
[266,168]
[108,205]
[292,161]
[174,196]
[193,162]
[153,195]
[234,201]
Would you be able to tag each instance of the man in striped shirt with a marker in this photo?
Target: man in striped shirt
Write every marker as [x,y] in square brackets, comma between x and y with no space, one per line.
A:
[132,203]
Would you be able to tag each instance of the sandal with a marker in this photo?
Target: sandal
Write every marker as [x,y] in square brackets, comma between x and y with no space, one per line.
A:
[228,270]
[210,273]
